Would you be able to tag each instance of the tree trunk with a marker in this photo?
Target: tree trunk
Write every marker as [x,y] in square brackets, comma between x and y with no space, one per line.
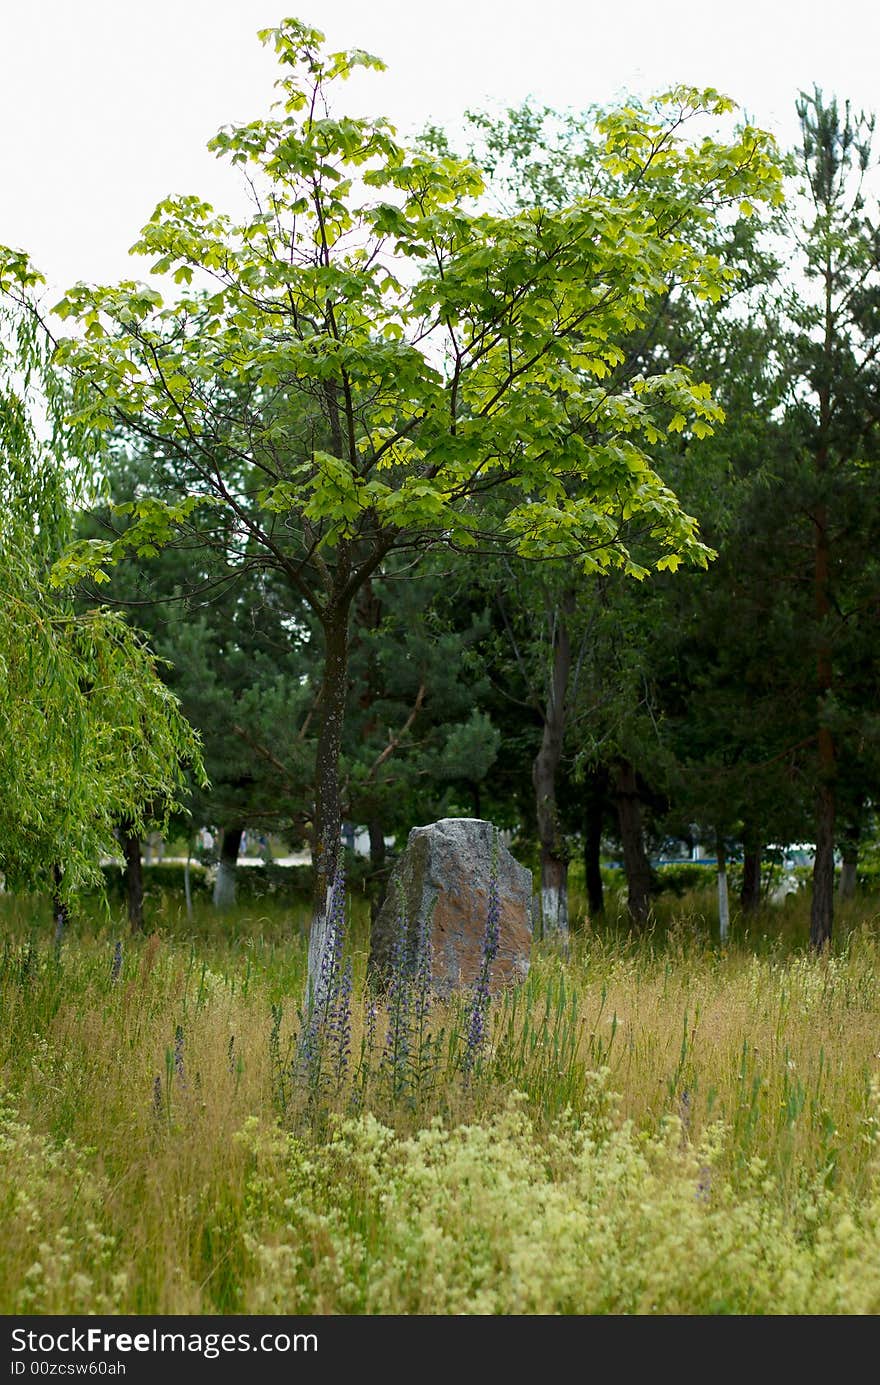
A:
[554,859]
[187,883]
[328,805]
[378,865]
[846,885]
[224,885]
[328,801]
[60,911]
[635,860]
[134,877]
[723,898]
[822,909]
[849,851]
[750,894]
[593,820]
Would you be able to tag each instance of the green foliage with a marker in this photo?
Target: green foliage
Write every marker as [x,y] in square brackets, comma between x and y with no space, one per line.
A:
[376,360]
[90,733]
[868,877]
[418,740]
[253,884]
[237,657]
[794,521]
[397,355]
[677,879]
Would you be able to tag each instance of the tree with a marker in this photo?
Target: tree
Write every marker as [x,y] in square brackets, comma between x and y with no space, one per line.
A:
[90,734]
[381,366]
[833,403]
[538,648]
[418,740]
[786,493]
[537,157]
[237,658]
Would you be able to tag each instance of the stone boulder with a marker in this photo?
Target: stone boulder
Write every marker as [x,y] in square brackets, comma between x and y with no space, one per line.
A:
[443,877]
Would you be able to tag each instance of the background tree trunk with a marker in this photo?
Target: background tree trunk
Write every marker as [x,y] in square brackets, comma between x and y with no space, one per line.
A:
[723,897]
[750,892]
[846,885]
[60,911]
[224,885]
[554,858]
[849,852]
[378,866]
[187,885]
[593,821]
[635,858]
[822,909]
[134,877]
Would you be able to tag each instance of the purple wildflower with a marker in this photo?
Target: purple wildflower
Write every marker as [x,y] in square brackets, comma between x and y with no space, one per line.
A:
[339,1025]
[329,1018]
[365,1058]
[116,966]
[684,1112]
[371,1017]
[307,1064]
[397,1038]
[330,969]
[423,978]
[158,1105]
[178,1054]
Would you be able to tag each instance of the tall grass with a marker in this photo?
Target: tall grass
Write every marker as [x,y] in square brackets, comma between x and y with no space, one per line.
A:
[650,1125]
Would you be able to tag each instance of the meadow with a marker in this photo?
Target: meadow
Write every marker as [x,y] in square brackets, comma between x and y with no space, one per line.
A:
[653,1124]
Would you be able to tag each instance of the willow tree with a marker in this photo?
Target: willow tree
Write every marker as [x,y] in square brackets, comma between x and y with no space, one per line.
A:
[90,737]
[371,362]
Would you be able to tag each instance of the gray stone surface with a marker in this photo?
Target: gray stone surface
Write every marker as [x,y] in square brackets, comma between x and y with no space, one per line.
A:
[443,875]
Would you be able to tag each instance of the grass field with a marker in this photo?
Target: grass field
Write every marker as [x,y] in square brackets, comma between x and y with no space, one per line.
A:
[653,1125]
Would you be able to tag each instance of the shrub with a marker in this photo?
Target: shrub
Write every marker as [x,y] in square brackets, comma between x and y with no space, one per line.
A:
[492,1217]
[679,878]
[286,884]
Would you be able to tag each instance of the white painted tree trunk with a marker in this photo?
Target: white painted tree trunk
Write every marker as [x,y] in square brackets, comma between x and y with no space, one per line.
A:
[224,886]
[554,912]
[846,885]
[187,888]
[319,940]
[723,902]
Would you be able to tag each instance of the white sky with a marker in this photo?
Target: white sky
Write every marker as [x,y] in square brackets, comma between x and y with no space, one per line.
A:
[106,105]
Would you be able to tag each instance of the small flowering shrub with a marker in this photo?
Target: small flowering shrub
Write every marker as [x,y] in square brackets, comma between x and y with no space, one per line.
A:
[57,1254]
[589,1217]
